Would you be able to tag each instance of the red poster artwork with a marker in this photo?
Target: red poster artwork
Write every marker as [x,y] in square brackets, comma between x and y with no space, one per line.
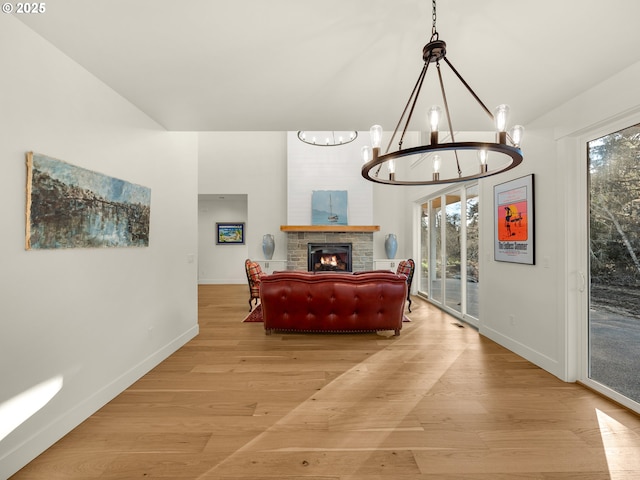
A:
[513,216]
[512,225]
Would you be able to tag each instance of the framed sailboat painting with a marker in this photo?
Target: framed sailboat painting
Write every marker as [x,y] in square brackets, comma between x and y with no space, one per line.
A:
[329,207]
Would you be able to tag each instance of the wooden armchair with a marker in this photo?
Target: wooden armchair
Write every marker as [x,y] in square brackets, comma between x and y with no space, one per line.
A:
[407,267]
[254,275]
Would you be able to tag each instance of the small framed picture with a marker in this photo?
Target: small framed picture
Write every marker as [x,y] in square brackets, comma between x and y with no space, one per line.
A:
[230,233]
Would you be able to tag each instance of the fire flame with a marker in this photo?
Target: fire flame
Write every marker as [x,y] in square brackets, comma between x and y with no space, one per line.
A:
[333,261]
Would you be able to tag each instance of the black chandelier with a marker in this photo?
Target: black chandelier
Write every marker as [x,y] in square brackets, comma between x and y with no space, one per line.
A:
[327,139]
[456,155]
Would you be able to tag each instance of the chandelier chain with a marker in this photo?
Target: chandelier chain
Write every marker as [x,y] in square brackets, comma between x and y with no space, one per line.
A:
[434,32]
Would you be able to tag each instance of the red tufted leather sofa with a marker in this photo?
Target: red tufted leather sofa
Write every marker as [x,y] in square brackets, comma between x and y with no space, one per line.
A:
[333,302]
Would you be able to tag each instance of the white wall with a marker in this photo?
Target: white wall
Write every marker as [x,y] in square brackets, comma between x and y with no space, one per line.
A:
[94,319]
[315,167]
[221,264]
[388,212]
[251,164]
[528,293]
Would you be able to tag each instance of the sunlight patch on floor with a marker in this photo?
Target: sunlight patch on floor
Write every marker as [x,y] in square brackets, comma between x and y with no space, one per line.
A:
[621,445]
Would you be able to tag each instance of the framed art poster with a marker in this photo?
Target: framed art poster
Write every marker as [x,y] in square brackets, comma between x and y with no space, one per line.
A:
[230,233]
[329,207]
[72,207]
[514,221]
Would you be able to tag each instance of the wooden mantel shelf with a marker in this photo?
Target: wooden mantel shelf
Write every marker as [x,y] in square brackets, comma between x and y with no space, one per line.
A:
[330,228]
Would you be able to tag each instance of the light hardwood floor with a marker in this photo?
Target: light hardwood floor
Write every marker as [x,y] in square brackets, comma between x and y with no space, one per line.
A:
[437,402]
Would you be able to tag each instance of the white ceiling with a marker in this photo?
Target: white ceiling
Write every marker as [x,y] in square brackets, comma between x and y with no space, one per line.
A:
[278,65]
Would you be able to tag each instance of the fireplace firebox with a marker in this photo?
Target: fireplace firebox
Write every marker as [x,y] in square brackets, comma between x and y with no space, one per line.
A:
[329,257]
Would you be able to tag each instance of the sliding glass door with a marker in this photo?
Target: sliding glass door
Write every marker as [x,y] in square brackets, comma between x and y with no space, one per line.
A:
[472,259]
[453,258]
[614,261]
[449,251]
[435,253]
[423,264]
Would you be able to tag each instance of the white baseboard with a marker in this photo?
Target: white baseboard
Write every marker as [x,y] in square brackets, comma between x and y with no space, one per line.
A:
[543,361]
[222,281]
[20,456]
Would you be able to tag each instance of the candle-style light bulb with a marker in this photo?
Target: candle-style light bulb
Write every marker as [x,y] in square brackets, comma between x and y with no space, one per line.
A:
[433,115]
[391,166]
[437,161]
[366,154]
[516,134]
[376,136]
[501,117]
[483,156]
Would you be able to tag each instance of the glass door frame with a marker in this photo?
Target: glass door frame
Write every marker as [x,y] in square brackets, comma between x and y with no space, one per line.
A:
[578,290]
[424,291]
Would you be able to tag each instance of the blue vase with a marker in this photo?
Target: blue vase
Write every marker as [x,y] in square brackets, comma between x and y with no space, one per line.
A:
[268,246]
[391,245]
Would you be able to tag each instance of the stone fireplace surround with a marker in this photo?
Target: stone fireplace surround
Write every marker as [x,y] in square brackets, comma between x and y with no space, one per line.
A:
[298,238]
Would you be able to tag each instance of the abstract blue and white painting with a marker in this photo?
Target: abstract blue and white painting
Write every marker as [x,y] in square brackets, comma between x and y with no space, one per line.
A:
[72,207]
[329,207]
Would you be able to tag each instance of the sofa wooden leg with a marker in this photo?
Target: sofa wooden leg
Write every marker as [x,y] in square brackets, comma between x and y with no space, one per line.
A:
[267,331]
[396,332]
